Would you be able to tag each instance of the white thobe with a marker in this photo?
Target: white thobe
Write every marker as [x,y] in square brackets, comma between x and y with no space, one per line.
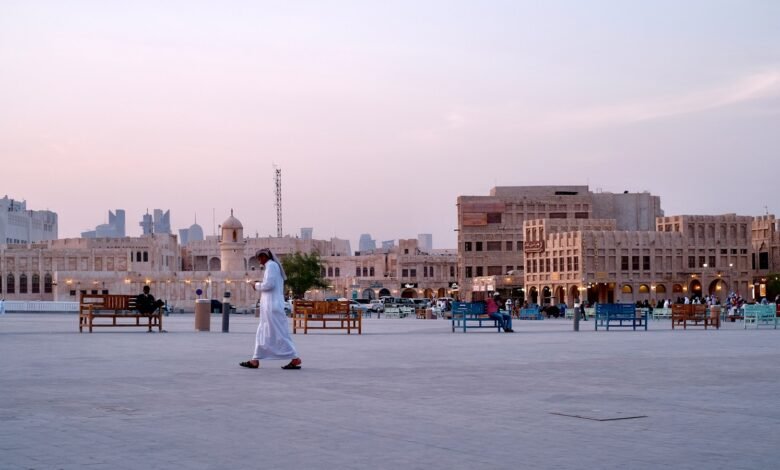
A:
[273,339]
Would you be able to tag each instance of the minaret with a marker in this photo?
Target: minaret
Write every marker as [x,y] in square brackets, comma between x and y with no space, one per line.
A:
[231,245]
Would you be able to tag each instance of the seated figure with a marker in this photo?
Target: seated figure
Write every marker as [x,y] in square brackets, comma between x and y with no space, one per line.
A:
[146,304]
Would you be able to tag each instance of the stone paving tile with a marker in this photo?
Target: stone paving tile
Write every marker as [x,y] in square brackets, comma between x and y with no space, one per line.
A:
[406,394]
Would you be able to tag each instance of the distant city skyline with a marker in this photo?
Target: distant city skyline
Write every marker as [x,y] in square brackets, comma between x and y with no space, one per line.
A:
[382,114]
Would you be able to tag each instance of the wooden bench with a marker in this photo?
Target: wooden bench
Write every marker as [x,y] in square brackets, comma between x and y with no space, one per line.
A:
[119,308]
[693,314]
[617,314]
[321,315]
[471,315]
[760,314]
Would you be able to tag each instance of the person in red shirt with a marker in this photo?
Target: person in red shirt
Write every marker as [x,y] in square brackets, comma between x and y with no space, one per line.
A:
[504,320]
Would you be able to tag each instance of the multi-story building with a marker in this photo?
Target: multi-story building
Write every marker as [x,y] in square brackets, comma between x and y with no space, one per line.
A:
[402,271]
[115,228]
[686,256]
[20,226]
[491,233]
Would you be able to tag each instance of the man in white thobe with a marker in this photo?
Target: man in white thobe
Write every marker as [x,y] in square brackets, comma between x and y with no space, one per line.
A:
[273,340]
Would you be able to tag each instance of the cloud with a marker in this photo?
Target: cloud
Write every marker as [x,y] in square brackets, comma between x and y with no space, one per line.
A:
[750,88]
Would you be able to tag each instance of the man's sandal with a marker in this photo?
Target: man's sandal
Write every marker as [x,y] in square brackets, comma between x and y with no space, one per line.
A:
[249,365]
[293,365]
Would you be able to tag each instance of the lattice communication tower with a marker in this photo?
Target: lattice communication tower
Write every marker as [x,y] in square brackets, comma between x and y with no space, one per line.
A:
[278,178]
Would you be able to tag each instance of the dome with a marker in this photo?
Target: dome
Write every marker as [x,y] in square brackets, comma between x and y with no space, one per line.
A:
[195,233]
[231,222]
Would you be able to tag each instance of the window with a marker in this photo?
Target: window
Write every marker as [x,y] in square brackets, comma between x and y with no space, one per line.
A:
[547,265]
[480,271]
[365,272]
[138,257]
[467,246]
[576,263]
[36,284]
[235,236]
[10,284]
[635,263]
[146,256]
[646,263]
[23,284]
[493,246]
[452,271]
[357,271]
[430,271]
[712,262]
[494,218]
[425,271]
[338,273]
[371,271]
[330,271]
[509,269]
[568,264]
[404,273]
[763,260]
[508,246]
[494,271]
[468,272]
[691,262]
[555,264]
[413,272]
[479,246]
[624,263]
[406,251]
[519,246]
[702,260]
[47,283]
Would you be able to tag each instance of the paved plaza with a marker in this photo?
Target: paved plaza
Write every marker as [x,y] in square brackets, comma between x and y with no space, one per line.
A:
[407,394]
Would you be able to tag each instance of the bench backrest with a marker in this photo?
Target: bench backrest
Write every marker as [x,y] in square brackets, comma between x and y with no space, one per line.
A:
[759,310]
[320,307]
[474,308]
[615,309]
[108,301]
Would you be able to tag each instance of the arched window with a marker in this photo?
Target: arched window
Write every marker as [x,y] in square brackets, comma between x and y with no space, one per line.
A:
[10,284]
[371,271]
[47,283]
[365,272]
[357,271]
[138,257]
[235,236]
[36,284]
[146,256]
[643,289]
[627,289]
[330,271]
[338,273]
[23,284]
[660,289]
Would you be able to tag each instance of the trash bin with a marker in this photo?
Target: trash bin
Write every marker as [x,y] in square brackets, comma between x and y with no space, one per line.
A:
[203,315]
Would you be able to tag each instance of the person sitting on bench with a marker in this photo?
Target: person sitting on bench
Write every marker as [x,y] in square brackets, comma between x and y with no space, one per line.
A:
[145,303]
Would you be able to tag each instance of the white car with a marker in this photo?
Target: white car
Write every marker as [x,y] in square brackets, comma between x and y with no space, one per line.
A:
[376,306]
[357,307]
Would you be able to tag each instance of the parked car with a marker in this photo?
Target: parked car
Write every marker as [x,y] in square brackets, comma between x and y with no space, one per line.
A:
[376,306]
[357,307]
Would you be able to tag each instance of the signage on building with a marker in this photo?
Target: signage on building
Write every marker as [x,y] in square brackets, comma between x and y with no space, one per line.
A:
[453,286]
[409,285]
[534,246]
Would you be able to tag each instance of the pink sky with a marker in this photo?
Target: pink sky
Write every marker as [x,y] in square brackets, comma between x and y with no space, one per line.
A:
[380,114]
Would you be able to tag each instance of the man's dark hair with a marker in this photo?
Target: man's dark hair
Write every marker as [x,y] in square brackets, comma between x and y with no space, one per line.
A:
[146,289]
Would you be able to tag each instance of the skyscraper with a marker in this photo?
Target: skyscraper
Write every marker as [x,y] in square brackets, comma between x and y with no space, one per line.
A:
[425,242]
[366,243]
[115,228]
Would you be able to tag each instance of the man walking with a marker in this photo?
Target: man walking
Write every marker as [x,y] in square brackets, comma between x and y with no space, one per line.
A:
[273,340]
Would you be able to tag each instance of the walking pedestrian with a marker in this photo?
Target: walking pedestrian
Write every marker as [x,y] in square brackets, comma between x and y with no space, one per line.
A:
[273,340]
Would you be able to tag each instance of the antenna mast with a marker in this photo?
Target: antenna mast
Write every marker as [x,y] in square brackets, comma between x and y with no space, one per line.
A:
[278,177]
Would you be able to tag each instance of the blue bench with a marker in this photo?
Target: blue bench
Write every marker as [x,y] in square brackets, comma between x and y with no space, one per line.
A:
[760,314]
[619,315]
[471,315]
[531,314]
